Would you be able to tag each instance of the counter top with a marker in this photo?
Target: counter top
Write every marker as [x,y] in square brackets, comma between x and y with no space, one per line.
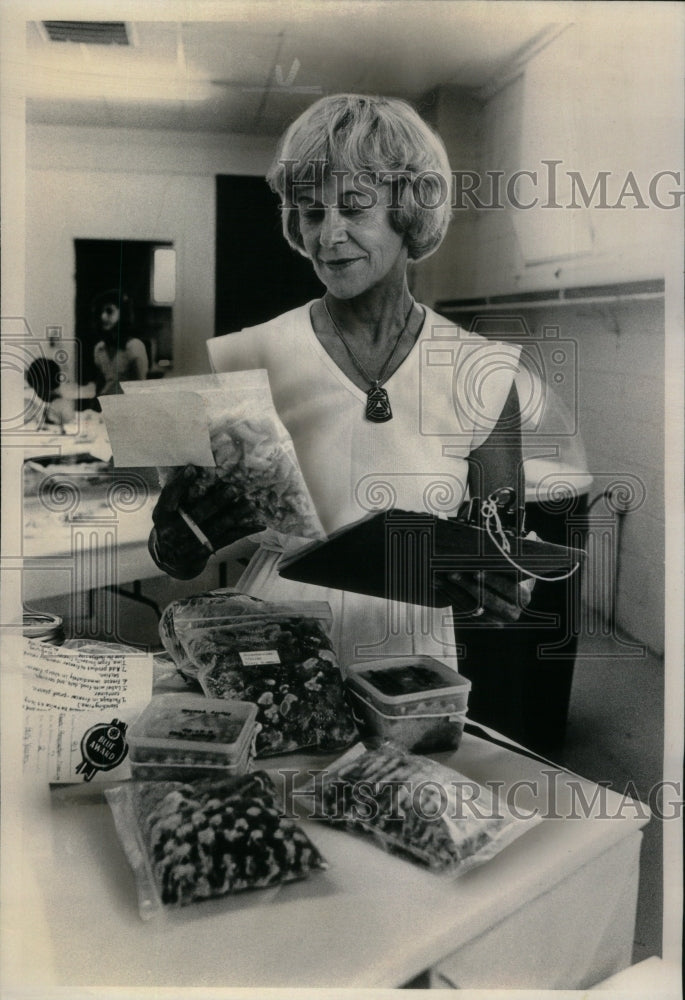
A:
[370,920]
[550,479]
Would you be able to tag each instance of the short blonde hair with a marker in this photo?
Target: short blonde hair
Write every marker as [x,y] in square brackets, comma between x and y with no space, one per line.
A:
[372,135]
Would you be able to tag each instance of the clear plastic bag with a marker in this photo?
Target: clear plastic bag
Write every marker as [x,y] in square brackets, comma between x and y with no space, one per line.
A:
[177,617]
[414,807]
[99,646]
[187,842]
[257,471]
[281,658]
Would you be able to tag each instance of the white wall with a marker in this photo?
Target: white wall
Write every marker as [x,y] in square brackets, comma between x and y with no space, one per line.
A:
[618,395]
[449,273]
[85,183]
[592,104]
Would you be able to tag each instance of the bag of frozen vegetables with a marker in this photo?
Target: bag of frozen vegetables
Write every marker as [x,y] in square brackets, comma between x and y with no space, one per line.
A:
[255,484]
[177,617]
[279,657]
[414,807]
[187,842]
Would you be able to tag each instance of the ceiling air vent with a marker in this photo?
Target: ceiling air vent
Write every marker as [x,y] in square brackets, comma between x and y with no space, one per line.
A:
[87,32]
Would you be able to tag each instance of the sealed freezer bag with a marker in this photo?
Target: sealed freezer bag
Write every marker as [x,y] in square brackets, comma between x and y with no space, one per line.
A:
[187,842]
[281,659]
[177,617]
[414,807]
[257,482]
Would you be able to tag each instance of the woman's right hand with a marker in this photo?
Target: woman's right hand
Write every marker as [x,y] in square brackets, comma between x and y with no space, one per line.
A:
[221,515]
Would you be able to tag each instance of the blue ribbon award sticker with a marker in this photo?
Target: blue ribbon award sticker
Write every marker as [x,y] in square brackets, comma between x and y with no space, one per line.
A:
[103,747]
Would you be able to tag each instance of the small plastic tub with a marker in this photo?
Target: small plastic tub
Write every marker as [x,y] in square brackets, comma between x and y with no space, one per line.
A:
[181,737]
[44,627]
[150,771]
[417,702]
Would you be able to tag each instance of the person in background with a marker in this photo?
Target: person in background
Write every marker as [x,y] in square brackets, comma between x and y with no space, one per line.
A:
[44,378]
[119,355]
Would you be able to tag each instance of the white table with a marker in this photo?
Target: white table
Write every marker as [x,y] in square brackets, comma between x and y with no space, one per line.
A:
[97,544]
[556,909]
[101,541]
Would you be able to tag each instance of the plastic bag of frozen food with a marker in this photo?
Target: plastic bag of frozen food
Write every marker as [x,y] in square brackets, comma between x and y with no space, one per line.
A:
[279,657]
[257,482]
[414,807]
[177,617]
[187,842]
[99,646]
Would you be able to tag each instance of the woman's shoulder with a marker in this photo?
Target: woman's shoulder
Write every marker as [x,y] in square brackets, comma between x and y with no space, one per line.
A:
[293,317]
[439,327]
[474,373]
[443,335]
[249,345]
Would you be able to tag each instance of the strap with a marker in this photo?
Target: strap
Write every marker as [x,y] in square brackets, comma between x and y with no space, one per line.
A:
[491,736]
[490,513]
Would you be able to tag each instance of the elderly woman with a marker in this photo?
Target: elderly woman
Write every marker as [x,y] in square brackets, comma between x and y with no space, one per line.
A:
[387,403]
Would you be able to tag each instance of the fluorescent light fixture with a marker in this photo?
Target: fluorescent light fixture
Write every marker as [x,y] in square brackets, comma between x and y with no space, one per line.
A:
[125,83]
[92,87]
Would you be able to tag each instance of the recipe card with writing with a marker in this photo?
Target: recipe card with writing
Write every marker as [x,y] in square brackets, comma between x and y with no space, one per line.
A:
[78,707]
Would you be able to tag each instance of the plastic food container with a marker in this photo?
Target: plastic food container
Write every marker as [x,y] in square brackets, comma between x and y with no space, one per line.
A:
[44,627]
[151,771]
[183,737]
[418,702]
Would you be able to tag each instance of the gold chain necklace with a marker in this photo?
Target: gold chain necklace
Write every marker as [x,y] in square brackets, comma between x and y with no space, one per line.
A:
[377,402]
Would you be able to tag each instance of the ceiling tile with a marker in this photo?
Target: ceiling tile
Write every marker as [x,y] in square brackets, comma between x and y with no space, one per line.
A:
[269,61]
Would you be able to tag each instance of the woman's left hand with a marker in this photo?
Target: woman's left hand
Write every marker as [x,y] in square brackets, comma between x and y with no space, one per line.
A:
[498,598]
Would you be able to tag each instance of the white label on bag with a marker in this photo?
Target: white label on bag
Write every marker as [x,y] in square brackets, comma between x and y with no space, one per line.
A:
[257,657]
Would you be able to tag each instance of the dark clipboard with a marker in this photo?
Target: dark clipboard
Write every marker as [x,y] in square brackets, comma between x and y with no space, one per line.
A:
[405,556]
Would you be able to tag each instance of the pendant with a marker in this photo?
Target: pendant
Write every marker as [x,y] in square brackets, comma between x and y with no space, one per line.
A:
[378,405]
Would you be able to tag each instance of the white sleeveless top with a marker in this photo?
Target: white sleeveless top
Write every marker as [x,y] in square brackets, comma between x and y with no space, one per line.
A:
[446,397]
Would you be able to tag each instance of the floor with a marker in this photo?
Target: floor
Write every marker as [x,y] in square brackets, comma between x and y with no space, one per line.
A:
[615,734]
[615,730]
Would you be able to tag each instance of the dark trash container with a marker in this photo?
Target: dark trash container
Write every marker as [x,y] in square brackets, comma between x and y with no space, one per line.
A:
[521,674]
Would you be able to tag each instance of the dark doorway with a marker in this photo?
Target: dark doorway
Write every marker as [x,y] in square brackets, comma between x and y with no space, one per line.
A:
[258,276]
[128,265]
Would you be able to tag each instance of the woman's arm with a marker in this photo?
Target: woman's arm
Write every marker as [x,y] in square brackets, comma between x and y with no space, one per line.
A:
[100,363]
[497,464]
[137,355]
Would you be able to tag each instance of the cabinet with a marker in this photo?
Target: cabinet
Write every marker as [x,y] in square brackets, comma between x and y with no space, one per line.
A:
[580,175]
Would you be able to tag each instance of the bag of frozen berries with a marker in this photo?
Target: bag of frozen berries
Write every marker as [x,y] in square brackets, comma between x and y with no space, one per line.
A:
[188,842]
